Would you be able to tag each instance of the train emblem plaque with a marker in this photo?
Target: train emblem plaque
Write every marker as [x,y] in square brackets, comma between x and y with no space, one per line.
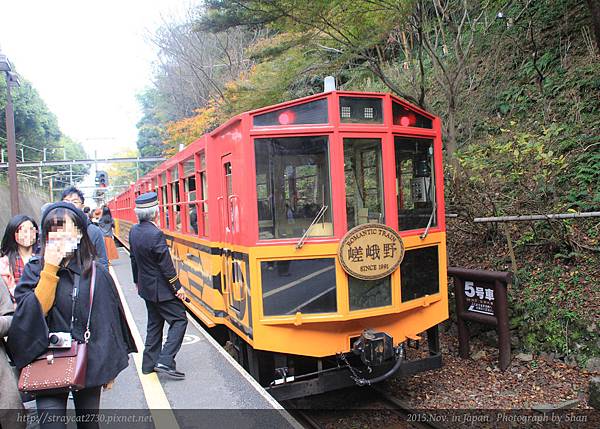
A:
[371,251]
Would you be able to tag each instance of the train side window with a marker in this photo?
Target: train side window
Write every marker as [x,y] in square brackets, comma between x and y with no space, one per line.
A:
[189,188]
[202,206]
[364,181]
[415,183]
[163,199]
[176,197]
[293,187]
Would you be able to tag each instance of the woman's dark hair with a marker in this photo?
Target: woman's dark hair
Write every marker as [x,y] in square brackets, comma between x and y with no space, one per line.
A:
[106,215]
[9,246]
[55,217]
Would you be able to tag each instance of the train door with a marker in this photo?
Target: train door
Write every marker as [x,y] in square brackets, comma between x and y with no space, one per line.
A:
[364,179]
[233,271]
[227,202]
[366,162]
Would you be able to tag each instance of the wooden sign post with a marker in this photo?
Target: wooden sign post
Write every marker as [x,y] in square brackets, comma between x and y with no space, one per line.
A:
[482,296]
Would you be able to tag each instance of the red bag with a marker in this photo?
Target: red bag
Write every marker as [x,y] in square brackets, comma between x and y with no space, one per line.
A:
[56,371]
[59,370]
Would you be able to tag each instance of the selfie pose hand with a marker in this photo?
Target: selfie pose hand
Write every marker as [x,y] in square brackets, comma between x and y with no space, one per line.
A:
[56,250]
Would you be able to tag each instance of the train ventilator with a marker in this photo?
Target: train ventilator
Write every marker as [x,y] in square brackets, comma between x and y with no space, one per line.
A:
[312,234]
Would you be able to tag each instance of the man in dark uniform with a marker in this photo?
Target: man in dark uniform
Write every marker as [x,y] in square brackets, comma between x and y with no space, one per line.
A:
[158,284]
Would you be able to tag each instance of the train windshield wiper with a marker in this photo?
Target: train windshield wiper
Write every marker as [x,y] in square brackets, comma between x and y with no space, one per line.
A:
[315,220]
[422,236]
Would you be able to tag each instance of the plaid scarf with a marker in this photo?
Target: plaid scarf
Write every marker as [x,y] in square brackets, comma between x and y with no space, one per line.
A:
[18,269]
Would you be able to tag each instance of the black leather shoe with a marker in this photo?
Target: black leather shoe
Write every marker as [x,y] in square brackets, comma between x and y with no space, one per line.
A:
[146,372]
[169,371]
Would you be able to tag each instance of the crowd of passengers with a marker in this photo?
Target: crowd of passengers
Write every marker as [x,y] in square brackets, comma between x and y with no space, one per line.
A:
[47,273]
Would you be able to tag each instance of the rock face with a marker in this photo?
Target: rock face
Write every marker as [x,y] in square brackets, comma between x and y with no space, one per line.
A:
[593,364]
[524,357]
[594,399]
[479,355]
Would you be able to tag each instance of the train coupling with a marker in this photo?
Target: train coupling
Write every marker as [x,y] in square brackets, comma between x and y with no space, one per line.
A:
[374,348]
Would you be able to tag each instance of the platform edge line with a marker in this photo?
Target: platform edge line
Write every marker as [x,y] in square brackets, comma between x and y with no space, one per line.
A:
[150,383]
[284,413]
[276,405]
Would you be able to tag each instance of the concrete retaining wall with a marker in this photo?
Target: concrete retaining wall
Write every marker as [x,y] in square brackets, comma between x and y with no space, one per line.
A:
[30,202]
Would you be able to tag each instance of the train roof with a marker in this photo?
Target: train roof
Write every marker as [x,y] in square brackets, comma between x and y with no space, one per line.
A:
[193,147]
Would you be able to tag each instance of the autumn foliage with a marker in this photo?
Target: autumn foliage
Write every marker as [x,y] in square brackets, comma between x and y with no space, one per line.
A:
[186,130]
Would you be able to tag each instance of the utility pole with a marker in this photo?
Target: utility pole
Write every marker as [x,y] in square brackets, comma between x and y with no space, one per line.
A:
[11,80]
[12,150]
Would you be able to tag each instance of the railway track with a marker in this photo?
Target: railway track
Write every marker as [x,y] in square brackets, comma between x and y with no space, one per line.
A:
[415,418]
[363,407]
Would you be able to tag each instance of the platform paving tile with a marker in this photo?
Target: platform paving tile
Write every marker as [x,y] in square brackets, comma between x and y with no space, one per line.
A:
[213,394]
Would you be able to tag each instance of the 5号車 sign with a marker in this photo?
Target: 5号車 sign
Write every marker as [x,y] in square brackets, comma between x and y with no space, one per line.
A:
[371,251]
[479,297]
[482,297]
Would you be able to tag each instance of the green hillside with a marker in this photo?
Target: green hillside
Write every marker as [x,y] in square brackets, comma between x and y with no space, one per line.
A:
[516,83]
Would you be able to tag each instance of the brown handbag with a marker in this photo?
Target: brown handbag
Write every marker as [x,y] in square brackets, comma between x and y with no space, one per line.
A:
[59,371]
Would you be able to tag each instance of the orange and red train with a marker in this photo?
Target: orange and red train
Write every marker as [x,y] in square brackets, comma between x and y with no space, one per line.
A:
[256,212]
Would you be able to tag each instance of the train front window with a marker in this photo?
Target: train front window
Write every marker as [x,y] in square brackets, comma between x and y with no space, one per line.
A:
[415,183]
[298,286]
[292,187]
[364,182]
[369,293]
[361,110]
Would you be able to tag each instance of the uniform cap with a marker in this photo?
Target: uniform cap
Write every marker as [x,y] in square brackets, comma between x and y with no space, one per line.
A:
[147,200]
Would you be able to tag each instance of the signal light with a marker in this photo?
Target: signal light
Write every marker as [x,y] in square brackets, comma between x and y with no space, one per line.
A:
[408,120]
[101,179]
[286,117]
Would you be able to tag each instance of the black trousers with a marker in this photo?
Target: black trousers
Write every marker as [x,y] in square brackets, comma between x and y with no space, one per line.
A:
[172,312]
[52,409]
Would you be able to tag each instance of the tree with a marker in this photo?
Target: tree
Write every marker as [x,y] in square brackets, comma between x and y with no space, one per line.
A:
[151,126]
[185,131]
[594,6]
[350,32]
[192,72]
[37,135]
[36,127]
[123,174]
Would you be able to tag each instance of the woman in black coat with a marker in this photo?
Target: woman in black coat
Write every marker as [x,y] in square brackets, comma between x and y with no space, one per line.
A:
[45,304]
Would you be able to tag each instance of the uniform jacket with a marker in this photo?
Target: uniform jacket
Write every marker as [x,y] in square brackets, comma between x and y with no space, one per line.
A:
[9,395]
[97,239]
[153,270]
[110,340]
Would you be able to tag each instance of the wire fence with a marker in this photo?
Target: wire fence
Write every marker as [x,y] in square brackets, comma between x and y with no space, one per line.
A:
[26,185]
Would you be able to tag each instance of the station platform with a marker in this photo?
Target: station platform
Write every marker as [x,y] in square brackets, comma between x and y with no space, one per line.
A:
[217,392]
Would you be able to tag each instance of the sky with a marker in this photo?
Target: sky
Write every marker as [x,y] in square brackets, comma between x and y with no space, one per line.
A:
[87,59]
